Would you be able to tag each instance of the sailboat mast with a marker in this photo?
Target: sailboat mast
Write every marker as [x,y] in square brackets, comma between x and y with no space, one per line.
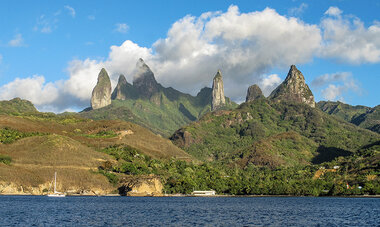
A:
[55,182]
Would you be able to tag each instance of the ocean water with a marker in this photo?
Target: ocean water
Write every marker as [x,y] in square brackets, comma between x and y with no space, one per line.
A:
[188,211]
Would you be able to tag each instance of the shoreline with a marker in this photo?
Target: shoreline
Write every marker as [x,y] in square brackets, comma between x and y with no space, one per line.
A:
[214,196]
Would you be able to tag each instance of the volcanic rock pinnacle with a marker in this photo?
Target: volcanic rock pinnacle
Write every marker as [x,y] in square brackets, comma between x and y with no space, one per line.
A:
[218,99]
[144,80]
[254,92]
[294,89]
[101,95]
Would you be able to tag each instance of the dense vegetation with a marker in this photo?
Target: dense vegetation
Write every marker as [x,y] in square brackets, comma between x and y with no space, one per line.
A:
[272,134]
[17,106]
[184,177]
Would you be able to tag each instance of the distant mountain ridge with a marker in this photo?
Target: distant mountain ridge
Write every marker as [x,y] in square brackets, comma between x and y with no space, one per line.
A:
[362,116]
[149,104]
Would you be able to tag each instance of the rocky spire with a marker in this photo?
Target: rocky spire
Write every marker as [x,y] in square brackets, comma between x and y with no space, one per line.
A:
[218,99]
[119,92]
[254,92]
[294,88]
[144,80]
[101,95]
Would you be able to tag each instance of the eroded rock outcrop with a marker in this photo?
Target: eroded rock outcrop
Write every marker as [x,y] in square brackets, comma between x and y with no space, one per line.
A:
[294,89]
[120,90]
[218,99]
[144,80]
[101,95]
[141,186]
[254,92]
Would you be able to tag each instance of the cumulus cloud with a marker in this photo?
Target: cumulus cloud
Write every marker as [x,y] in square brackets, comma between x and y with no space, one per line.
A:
[17,41]
[32,88]
[269,83]
[243,45]
[122,28]
[71,10]
[337,85]
[347,39]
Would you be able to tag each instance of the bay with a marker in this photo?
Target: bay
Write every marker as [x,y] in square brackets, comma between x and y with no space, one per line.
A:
[188,211]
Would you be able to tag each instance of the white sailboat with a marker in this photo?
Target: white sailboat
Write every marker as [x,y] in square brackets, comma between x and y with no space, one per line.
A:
[56,193]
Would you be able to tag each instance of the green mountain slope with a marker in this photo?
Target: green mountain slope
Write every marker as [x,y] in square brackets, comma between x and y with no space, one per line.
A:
[362,116]
[271,133]
[147,103]
[16,106]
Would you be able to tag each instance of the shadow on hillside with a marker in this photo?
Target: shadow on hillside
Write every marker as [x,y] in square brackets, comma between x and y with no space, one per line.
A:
[327,154]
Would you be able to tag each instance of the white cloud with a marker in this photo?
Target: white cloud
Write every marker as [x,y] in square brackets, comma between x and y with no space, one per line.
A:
[297,11]
[122,28]
[1,58]
[91,17]
[32,88]
[333,11]
[348,40]
[71,10]
[336,85]
[242,45]
[333,92]
[269,83]
[17,41]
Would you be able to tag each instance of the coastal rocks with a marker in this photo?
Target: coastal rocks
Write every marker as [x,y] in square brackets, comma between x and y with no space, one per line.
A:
[254,92]
[144,81]
[218,99]
[101,95]
[294,89]
[141,186]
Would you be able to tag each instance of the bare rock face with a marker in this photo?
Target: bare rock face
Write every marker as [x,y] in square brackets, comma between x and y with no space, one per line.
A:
[148,185]
[294,89]
[218,99]
[101,95]
[144,80]
[120,89]
[254,92]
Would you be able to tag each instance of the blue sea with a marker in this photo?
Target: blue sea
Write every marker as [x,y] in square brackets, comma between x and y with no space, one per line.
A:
[188,211]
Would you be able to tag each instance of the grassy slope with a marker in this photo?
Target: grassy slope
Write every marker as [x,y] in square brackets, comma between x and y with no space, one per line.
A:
[163,113]
[362,116]
[262,132]
[40,143]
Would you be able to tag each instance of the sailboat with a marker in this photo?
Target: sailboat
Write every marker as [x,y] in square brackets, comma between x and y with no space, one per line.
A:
[56,193]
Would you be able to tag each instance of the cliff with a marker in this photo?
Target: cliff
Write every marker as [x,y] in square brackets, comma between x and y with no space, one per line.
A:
[218,99]
[101,95]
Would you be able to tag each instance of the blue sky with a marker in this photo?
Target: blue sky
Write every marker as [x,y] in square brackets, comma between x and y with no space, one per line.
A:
[52,51]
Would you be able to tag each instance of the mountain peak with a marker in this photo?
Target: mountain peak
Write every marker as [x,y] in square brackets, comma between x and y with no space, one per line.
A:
[119,91]
[294,88]
[254,92]
[101,95]
[218,99]
[144,80]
